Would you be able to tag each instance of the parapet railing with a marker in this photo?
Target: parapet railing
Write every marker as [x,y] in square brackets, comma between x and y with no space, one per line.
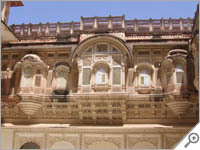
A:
[103,24]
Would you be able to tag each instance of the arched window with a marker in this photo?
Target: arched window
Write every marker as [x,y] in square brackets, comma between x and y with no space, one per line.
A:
[144,78]
[27,77]
[179,73]
[61,81]
[38,78]
[101,76]
[30,145]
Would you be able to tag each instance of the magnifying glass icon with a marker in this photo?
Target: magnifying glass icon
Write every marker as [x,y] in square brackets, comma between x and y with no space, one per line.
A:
[193,138]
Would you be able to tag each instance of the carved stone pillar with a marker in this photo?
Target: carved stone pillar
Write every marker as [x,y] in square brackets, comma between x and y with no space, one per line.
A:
[80,74]
[80,79]
[110,23]
[95,23]
[93,80]
[123,79]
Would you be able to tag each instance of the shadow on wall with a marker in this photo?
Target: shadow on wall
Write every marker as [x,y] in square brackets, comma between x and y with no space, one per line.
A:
[59,95]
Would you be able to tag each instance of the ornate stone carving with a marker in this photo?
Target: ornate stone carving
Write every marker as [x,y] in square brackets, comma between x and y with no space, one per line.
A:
[71,138]
[102,58]
[172,140]
[87,62]
[134,139]
[120,35]
[88,140]
[180,107]
[22,138]
[85,36]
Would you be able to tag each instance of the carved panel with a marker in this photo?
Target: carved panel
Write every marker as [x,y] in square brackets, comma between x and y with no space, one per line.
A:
[151,139]
[102,58]
[141,60]
[90,139]
[117,60]
[87,62]
[52,138]
[170,140]
[22,138]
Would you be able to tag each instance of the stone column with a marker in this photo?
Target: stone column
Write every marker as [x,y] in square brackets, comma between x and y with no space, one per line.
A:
[123,79]
[58,28]
[93,80]
[81,23]
[150,25]
[80,74]
[95,23]
[110,22]
[170,24]
[40,29]
[136,26]
[30,29]
[181,24]
[47,29]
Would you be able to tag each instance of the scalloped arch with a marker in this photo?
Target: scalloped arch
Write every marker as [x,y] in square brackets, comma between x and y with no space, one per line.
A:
[116,41]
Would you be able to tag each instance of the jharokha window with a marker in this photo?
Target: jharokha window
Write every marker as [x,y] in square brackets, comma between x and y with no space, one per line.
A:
[101,76]
[27,77]
[61,81]
[144,78]
[179,73]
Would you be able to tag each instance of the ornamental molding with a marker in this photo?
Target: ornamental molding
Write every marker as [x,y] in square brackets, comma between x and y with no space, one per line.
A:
[119,35]
[85,36]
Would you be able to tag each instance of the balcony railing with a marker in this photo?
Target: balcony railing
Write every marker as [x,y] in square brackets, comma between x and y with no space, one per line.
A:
[103,24]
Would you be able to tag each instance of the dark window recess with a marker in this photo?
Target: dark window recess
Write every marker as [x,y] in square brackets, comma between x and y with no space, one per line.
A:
[14,56]
[38,71]
[143,53]
[89,50]
[157,64]
[5,56]
[37,81]
[156,52]
[63,55]
[4,67]
[50,55]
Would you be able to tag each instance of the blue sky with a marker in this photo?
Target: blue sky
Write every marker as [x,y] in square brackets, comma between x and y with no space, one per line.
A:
[66,11]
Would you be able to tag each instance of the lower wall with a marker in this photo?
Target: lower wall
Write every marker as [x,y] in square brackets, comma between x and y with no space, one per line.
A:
[137,136]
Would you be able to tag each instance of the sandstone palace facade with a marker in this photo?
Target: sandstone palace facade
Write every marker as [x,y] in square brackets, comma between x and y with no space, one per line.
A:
[103,82]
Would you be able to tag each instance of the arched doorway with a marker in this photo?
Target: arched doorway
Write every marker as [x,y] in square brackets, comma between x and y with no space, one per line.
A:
[30,145]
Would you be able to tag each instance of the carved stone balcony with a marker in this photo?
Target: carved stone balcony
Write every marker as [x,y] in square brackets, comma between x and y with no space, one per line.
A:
[29,105]
[179,108]
[29,108]
[101,109]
